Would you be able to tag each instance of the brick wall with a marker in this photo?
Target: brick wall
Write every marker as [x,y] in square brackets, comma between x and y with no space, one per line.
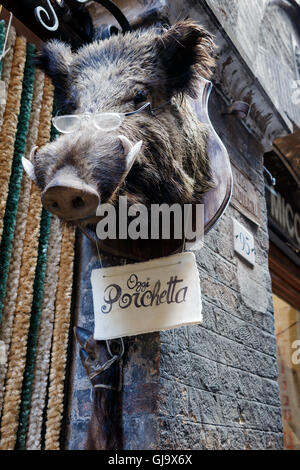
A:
[219,380]
[212,386]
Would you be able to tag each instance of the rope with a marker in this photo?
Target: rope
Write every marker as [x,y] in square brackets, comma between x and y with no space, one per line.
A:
[9,220]
[17,354]
[16,257]
[38,292]
[42,362]
[6,65]
[60,341]
[7,136]
[2,39]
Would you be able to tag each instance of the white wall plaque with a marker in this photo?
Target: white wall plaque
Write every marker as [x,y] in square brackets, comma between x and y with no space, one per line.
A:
[140,298]
[243,242]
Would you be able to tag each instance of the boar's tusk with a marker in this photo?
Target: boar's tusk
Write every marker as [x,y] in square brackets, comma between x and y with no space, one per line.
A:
[28,166]
[130,150]
[133,154]
[130,154]
[33,152]
[29,169]
[127,145]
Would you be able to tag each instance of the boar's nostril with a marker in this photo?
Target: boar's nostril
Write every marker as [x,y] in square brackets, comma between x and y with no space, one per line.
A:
[69,197]
[77,202]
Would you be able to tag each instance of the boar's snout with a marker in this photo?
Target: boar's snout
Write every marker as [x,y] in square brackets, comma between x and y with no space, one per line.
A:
[69,197]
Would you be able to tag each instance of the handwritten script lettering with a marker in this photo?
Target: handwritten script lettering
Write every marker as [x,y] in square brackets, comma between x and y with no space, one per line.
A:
[139,298]
[141,295]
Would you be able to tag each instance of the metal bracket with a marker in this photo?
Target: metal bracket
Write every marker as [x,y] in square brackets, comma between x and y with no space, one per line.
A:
[270,176]
[240,109]
[91,359]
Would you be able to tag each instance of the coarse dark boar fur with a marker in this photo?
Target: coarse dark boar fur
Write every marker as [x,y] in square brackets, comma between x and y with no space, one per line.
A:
[119,74]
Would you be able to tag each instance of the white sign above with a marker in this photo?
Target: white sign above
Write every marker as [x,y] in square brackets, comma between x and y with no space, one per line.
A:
[144,297]
[243,242]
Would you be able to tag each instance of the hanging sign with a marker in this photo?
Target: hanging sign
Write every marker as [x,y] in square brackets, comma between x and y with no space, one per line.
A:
[244,196]
[141,298]
[284,214]
[283,205]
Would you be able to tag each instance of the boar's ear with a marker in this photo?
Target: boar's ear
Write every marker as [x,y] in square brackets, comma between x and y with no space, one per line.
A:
[185,52]
[55,59]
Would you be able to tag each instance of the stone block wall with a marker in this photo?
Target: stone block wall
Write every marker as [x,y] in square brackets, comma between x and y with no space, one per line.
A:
[210,386]
[219,380]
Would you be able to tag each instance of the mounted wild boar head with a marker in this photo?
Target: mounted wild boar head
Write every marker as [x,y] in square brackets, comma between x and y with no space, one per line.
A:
[151,157]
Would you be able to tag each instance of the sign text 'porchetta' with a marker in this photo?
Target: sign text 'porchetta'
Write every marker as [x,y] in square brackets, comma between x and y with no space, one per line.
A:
[155,295]
[141,295]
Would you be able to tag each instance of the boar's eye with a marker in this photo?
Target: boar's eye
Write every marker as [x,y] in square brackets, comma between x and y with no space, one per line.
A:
[140,97]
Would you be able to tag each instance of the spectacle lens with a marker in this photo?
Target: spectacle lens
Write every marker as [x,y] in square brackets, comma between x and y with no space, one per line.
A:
[67,124]
[108,121]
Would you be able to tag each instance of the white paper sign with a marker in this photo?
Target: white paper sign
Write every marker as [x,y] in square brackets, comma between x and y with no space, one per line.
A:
[140,298]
